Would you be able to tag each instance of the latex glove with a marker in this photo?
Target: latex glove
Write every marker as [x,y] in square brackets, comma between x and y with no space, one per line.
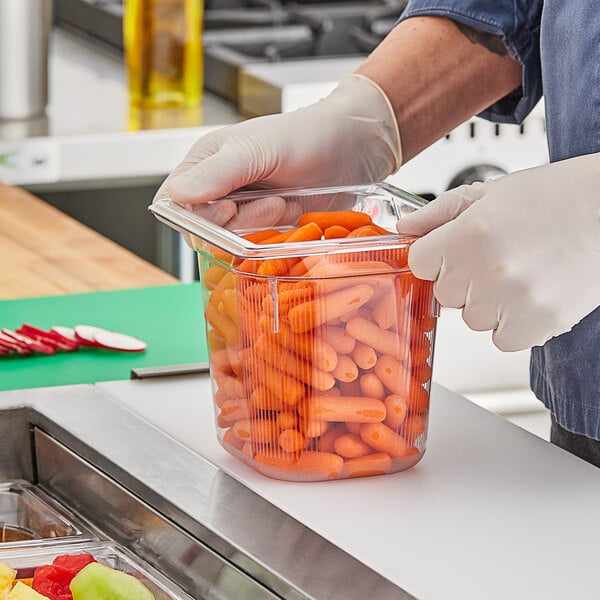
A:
[349,137]
[520,254]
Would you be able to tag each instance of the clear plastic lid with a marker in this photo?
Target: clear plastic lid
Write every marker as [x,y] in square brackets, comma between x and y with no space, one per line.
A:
[384,203]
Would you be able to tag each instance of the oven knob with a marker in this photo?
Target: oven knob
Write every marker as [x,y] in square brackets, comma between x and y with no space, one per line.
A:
[476,173]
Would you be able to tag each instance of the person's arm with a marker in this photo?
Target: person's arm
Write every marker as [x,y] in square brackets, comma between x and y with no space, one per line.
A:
[428,76]
[437,73]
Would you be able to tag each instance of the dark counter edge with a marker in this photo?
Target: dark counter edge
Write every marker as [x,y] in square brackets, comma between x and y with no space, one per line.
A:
[190,493]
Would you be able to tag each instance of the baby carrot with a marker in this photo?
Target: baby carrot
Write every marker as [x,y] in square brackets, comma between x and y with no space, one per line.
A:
[248,266]
[289,297]
[287,420]
[280,358]
[422,372]
[220,360]
[382,439]
[344,408]
[420,348]
[214,340]
[372,464]
[247,449]
[326,442]
[396,257]
[226,282]
[308,346]
[381,340]
[386,311]
[413,427]
[274,457]
[365,231]
[335,231]
[350,445]
[281,266]
[212,276]
[262,399]
[370,385]
[391,373]
[231,305]
[311,314]
[220,397]
[257,431]
[234,410]
[281,385]
[222,324]
[231,386]
[305,233]
[291,440]
[339,275]
[348,219]
[298,269]
[258,237]
[319,464]
[398,380]
[234,361]
[313,428]
[230,438]
[346,369]
[339,339]
[396,411]
[364,356]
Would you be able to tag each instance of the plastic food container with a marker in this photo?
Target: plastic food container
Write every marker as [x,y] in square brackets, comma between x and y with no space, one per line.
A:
[320,349]
[29,518]
[26,561]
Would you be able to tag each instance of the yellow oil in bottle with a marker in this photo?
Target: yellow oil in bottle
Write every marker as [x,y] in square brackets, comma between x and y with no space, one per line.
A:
[163,52]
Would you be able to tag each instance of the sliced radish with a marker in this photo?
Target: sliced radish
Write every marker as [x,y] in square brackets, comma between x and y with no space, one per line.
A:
[119,341]
[65,344]
[10,342]
[29,343]
[86,334]
[6,348]
[66,332]
[48,337]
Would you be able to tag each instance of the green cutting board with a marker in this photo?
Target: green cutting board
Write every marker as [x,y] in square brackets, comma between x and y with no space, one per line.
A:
[168,318]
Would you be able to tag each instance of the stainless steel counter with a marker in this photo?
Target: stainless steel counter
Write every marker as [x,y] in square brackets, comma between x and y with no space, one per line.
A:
[490,512]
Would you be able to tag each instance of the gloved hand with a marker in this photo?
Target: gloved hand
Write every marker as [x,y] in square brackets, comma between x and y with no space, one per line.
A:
[520,254]
[349,137]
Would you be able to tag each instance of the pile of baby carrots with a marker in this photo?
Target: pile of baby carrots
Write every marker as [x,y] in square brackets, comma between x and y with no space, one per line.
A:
[320,364]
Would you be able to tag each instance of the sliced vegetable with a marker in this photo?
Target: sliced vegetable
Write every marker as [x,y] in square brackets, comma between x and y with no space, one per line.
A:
[119,341]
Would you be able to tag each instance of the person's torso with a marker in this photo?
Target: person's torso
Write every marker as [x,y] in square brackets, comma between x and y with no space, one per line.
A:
[565,372]
[570,50]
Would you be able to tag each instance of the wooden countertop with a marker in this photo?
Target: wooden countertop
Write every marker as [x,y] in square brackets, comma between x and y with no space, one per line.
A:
[44,252]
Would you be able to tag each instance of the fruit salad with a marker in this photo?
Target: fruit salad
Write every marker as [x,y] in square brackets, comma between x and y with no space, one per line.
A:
[72,577]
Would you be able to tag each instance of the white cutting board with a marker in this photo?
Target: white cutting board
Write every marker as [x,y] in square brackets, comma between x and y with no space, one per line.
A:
[491,512]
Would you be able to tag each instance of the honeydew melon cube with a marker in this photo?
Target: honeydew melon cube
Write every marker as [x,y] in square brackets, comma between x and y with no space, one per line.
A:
[99,582]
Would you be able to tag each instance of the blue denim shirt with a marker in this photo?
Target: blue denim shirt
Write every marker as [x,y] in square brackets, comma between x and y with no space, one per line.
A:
[558,44]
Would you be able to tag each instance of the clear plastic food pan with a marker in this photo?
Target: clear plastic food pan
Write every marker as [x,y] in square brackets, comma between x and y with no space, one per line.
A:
[26,561]
[29,518]
[320,337]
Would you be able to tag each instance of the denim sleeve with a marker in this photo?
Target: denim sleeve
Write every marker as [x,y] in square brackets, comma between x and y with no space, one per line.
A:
[518,23]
